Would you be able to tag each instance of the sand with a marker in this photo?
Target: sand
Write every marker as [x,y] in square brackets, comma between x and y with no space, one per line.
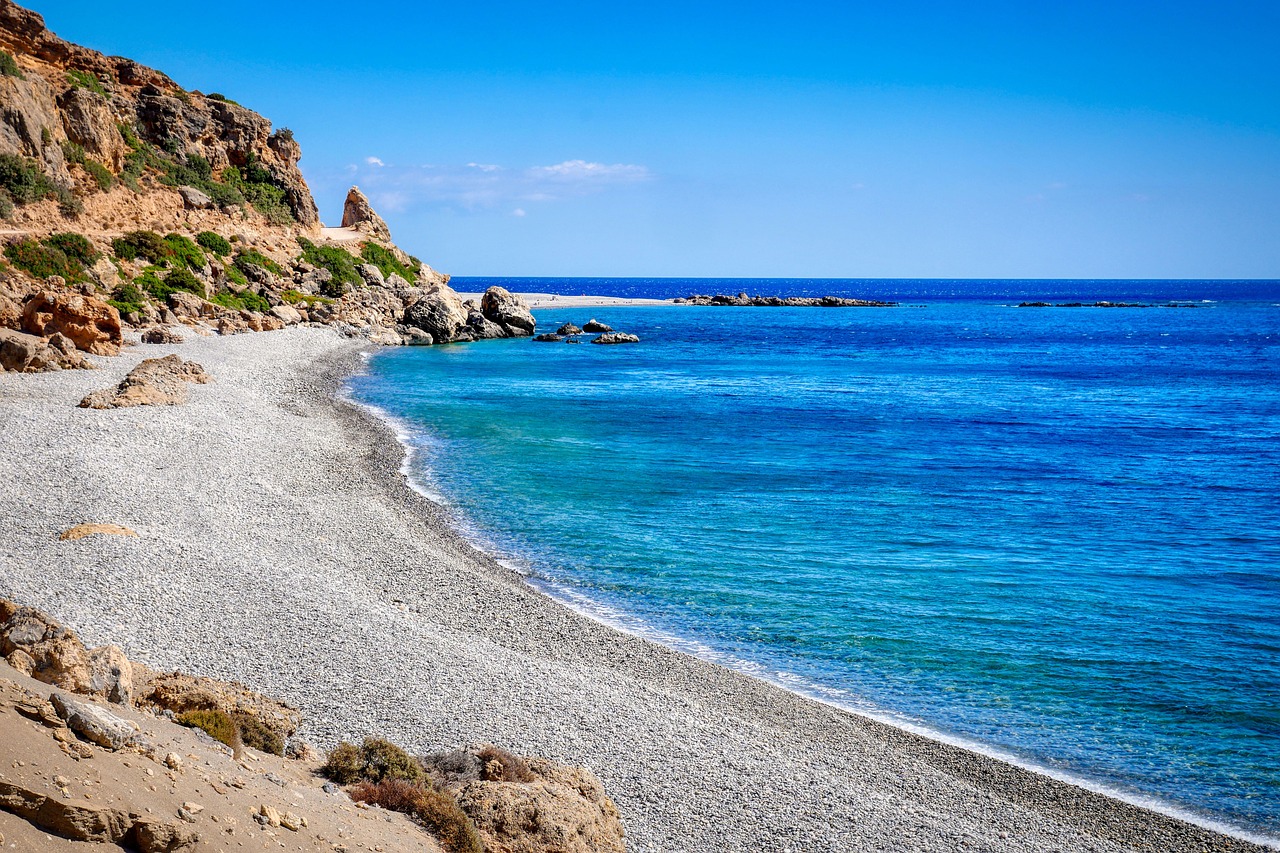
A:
[279,545]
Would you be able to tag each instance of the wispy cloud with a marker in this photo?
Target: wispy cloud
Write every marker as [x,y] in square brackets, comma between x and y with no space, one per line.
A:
[486,186]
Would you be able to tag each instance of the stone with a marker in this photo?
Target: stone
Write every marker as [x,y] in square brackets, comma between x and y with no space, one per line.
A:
[111,674]
[568,329]
[286,314]
[439,313]
[92,324]
[194,199]
[549,337]
[154,382]
[23,353]
[616,338]
[483,328]
[57,655]
[357,213]
[270,813]
[80,531]
[160,335]
[594,326]
[94,723]
[372,275]
[508,310]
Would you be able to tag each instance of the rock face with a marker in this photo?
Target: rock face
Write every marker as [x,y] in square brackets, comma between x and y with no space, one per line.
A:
[616,338]
[529,805]
[21,353]
[91,324]
[357,213]
[508,310]
[154,382]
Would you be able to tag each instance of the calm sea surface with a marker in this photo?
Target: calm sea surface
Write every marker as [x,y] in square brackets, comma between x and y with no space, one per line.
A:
[1051,532]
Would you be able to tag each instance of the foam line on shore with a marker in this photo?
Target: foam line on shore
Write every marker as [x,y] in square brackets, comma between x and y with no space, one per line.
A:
[619,620]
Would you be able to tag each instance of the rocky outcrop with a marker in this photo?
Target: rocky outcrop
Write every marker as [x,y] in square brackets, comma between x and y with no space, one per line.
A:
[160,335]
[745,300]
[178,692]
[154,382]
[439,313]
[88,121]
[357,213]
[507,310]
[594,326]
[22,353]
[568,329]
[35,645]
[616,338]
[529,805]
[91,324]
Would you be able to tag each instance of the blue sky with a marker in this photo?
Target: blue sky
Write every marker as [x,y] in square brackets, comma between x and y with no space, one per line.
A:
[906,139]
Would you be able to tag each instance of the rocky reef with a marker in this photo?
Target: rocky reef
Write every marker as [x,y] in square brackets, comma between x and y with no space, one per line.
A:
[131,204]
[745,300]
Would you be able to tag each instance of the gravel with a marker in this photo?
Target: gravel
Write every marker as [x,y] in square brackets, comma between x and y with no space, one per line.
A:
[279,546]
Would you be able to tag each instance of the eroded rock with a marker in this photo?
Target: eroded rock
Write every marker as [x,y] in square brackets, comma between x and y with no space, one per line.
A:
[616,338]
[357,213]
[154,382]
[91,324]
[23,353]
[508,310]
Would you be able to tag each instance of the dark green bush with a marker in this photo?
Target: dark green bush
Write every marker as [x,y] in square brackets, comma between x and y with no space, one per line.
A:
[213,722]
[216,96]
[375,760]
[246,301]
[215,243]
[24,180]
[293,297]
[147,245]
[101,174]
[9,66]
[185,251]
[234,274]
[385,260]
[159,289]
[85,80]
[252,257]
[75,246]
[259,187]
[256,734]
[43,260]
[6,204]
[434,808]
[337,261]
[128,299]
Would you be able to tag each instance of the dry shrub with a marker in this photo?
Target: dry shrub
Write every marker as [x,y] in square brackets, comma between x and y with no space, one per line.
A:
[438,811]
[498,765]
[373,761]
[257,734]
[213,722]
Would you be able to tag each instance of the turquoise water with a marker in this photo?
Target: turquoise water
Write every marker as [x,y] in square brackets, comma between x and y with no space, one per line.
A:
[1053,532]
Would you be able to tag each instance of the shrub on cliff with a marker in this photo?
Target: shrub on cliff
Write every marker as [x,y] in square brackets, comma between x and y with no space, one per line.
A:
[160,288]
[24,182]
[246,301]
[9,65]
[41,260]
[101,174]
[213,722]
[254,733]
[85,80]
[434,808]
[252,257]
[147,245]
[128,299]
[373,761]
[75,246]
[185,252]
[385,260]
[215,243]
[337,261]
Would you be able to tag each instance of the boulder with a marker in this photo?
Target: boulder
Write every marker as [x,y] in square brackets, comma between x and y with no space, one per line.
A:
[160,335]
[287,314]
[22,353]
[372,275]
[568,329]
[154,382]
[549,337]
[93,325]
[594,326]
[482,327]
[439,313]
[88,122]
[616,338]
[94,723]
[357,213]
[508,310]
[194,199]
[56,655]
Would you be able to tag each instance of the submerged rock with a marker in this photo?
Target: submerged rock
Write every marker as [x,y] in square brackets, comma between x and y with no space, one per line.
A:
[549,337]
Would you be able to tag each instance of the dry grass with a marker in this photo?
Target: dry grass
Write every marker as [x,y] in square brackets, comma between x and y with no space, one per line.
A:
[438,811]
[373,761]
[498,765]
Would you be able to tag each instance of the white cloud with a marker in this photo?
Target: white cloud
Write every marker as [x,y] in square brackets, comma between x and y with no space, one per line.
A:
[485,186]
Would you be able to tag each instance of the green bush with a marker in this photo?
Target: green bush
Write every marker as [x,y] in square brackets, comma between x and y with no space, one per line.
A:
[252,257]
[234,274]
[373,761]
[85,80]
[258,735]
[6,204]
[101,174]
[75,246]
[25,182]
[434,808]
[337,261]
[385,260]
[147,245]
[186,252]
[42,260]
[260,189]
[72,152]
[293,297]
[213,722]
[128,299]
[215,243]
[159,289]
[216,96]
[246,301]
[9,66]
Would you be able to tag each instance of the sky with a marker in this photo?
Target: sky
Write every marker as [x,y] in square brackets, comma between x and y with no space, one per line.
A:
[909,139]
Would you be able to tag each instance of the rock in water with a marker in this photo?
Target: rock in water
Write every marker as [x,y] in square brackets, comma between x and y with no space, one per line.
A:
[568,329]
[91,324]
[507,310]
[616,338]
[594,326]
[549,337]
[439,313]
[357,213]
[154,382]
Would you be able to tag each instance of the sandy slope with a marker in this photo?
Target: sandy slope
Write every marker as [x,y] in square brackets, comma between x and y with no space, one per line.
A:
[279,547]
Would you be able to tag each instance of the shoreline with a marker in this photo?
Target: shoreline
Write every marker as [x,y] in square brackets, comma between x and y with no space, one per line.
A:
[543,301]
[385,619]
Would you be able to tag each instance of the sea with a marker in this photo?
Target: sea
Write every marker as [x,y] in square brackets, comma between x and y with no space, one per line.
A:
[1048,533]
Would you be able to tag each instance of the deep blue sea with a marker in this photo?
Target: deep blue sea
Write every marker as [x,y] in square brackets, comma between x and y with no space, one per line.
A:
[1053,533]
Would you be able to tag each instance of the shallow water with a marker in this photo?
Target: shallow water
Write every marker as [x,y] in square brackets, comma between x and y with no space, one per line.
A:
[1051,531]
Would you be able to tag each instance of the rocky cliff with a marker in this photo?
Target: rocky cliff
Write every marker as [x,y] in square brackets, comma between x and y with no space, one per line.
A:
[153,204]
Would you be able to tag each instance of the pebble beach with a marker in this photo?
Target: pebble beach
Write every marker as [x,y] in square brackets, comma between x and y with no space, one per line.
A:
[280,545]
